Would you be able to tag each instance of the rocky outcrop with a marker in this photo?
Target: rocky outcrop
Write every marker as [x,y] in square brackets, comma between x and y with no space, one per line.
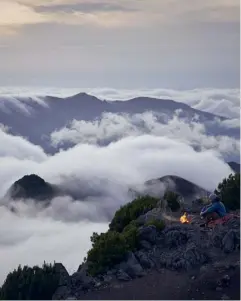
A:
[63,291]
[177,247]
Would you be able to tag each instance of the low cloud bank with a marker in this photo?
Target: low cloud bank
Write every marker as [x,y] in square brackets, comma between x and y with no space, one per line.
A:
[32,240]
[113,127]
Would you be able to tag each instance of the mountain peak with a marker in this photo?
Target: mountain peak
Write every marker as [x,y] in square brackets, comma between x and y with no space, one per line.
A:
[31,187]
[83,96]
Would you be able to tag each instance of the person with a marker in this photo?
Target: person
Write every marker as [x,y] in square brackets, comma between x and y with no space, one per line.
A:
[215,210]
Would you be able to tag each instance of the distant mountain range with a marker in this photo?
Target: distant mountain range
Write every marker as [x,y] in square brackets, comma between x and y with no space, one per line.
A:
[37,121]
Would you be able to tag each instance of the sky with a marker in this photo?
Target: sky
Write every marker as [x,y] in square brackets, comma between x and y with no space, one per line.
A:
[121,44]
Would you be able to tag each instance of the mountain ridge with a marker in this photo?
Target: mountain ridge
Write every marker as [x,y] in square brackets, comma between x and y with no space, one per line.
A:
[57,113]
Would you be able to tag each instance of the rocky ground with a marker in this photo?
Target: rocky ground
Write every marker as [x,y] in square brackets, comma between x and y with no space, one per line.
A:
[184,261]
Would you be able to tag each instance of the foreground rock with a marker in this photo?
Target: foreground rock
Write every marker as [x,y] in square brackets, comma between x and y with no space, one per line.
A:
[179,247]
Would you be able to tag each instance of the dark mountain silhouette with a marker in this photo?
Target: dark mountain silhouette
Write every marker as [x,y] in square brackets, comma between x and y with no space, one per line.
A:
[57,112]
[32,187]
[188,190]
[234,166]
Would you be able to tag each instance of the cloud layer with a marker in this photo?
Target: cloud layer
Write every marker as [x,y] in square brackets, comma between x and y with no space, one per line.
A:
[62,231]
[113,127]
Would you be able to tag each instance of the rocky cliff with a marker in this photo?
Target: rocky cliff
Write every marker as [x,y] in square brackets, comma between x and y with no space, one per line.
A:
[187,249]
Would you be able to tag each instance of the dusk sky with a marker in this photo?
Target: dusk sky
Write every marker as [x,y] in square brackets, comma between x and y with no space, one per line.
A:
[120,43]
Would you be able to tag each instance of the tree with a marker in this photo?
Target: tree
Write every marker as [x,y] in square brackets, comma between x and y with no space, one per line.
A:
[172,200]
[131,212]
[229,191]
[30,283]
[109,249]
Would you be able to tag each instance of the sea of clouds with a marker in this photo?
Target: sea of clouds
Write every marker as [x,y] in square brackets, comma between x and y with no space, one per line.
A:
[61,232]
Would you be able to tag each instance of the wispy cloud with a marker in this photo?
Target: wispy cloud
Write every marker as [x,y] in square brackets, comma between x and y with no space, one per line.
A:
[114,13]
[86,7]
[112,127]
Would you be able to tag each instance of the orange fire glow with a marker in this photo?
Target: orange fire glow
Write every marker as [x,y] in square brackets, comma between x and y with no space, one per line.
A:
[184,218]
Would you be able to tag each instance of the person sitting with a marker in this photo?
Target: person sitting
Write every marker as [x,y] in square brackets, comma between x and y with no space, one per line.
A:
[215,210]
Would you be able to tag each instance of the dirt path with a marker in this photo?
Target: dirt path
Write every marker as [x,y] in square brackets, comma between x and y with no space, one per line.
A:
[171,285]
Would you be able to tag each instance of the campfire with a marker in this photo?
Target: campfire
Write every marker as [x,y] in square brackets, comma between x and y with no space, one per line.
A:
[184,219]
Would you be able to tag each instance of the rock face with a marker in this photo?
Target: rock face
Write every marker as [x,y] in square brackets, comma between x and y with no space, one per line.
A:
[177,247]
[81,279]
[131,266]
[63,291]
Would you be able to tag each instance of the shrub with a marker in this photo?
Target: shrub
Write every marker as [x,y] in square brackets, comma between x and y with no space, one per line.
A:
[30,283]
[109,249]
[160,225]
[95,236]
[229,191]
[130,235]
[132,211]
[172,200]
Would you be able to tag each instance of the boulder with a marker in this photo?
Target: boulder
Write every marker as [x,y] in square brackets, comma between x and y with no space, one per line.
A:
[132,267]
[154,214]
[144,260]
[228,242]
[107,278]
[145,245]
[225,297]
[81,279]
[62,293]
[148,233]
[122,276]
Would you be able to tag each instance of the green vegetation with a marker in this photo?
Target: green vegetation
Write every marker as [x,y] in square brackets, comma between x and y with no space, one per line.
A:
[172,200]
[130,236]
[110,248]
[229,191]
[132,211]
[30,283]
